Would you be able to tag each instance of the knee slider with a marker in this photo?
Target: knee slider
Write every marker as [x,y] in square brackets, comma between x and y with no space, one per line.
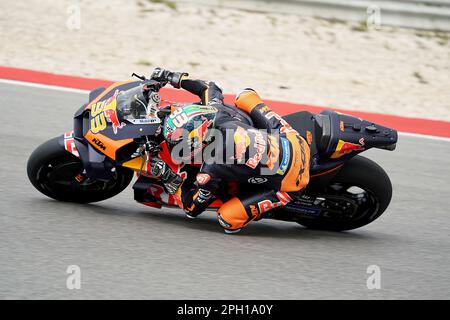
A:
[232,215]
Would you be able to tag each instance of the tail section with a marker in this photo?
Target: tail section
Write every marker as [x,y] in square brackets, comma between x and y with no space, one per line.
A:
[345,135]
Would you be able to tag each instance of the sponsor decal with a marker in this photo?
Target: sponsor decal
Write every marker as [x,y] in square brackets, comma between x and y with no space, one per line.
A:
[201,131]
[283,197]
[69,143]
[362,142]
[254,210]
[305,164]
[286,156]
[264,109]
[257,180]
[341,125]
[241,142]
[272,114]
[144,121]
[267,205]
[103,112]
[99,144]
[203,178]
[309,137]
[344,148]
[310,211]
[260,146]
[273,153]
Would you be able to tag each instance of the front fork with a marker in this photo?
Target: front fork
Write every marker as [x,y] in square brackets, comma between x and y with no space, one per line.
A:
[70,146]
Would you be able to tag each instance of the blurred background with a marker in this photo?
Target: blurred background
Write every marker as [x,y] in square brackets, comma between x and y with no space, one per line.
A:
[379,56]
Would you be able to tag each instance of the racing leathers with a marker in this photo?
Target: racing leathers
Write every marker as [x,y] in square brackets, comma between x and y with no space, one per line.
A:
[262,153]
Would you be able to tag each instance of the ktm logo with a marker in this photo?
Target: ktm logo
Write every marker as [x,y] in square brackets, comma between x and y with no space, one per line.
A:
[99,144]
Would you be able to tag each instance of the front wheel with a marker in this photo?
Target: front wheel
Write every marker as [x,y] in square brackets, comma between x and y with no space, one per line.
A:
[53,171]
[355,197]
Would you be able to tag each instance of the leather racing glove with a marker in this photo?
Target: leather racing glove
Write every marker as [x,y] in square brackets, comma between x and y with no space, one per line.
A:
[159,169]
[164,76]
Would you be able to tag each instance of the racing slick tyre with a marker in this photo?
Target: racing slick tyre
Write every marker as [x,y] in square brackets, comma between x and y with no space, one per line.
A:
[358,195]
[53,171]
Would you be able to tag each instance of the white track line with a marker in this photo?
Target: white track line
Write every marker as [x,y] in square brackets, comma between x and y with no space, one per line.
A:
[423,136]
[43,86]
[56,88]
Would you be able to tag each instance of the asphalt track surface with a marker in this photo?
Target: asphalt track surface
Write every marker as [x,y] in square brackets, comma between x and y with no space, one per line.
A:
[126,250]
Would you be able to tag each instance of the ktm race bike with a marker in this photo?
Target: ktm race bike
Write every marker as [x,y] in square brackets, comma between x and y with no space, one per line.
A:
[109,142]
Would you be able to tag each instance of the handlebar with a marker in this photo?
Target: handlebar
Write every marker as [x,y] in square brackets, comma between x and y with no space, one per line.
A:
[153,84]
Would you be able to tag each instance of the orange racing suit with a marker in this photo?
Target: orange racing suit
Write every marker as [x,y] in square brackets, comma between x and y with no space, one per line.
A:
[270,160]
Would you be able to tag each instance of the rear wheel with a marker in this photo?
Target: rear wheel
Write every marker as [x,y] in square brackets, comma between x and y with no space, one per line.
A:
[54,172]
[356,196]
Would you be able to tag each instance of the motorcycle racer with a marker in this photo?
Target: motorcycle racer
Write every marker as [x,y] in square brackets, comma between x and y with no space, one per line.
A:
[251,145]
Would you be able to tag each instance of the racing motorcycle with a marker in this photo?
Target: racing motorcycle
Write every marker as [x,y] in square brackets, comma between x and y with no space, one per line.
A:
[110,142]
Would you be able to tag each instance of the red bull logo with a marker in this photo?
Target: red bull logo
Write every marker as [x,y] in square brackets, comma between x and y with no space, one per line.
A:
[267,205]
[344,148]
[104,112]
[241,142]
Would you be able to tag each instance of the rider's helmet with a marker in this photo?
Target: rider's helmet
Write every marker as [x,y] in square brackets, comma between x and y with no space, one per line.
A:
[190,125]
